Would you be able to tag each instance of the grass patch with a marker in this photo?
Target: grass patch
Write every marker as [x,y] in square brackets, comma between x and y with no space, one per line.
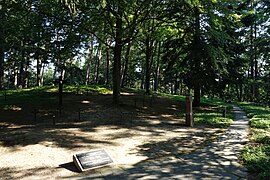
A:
[256,155]
[212,119]
[100,89]
[257,159]
[45,96]
[210,113]
[33,96]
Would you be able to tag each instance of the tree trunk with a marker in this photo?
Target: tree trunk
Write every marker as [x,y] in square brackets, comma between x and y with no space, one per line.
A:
[22,73]
[98,58]
[125,68]
[1,67]
[2,51]
[147,64]
[26,79]
[107,66]
[88,64]
[197,59]
[156,80]
[42,75]
[15,75]
[197,95]
[38,72]
[117,56]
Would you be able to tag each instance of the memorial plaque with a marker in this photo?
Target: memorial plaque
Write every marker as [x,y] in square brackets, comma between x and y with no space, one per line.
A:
[92,159]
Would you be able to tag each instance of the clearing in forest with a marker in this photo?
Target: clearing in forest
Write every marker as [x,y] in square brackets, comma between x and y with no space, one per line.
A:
[143,128]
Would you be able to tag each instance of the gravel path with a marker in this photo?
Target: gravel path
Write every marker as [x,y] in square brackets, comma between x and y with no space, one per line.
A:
[218,160]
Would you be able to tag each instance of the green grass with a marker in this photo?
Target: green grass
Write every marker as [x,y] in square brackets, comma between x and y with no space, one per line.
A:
[212,119]
[47,95]
[211,112]
[100,89]
[209,115]
[256,155]
[29,96]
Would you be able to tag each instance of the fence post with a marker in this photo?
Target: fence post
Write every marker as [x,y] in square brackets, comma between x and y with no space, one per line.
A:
[189,113]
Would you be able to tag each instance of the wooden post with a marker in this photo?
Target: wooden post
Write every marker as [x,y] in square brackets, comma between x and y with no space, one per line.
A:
[5,94]
[224,112]
[79,114]
[143,99]
[77,90]
[60,83]
[135,102]
[189,113]
[54,122]
[35,114]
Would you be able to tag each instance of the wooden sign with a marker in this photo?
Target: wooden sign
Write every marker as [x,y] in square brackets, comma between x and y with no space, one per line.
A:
[92,159]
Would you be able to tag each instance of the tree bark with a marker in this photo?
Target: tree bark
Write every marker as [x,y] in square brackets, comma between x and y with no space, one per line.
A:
[98,58]
[156,79]
[1,67]
[107,66]
[22,73]
[88,64]
[197,95]
[197,59]
[38,71]
[2,51]
[117,56]
[148,53]
[125,68]
[26,79]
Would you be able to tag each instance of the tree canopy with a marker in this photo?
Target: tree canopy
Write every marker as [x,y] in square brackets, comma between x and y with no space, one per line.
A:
[200,47]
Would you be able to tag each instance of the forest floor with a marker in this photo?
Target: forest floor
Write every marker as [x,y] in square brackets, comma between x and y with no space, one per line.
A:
[141,129]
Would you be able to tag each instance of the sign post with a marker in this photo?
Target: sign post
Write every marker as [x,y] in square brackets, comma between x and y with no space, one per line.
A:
[189,113]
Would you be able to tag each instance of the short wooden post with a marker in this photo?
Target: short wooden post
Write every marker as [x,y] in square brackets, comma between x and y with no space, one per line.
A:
[35,114]
[5,94]
[59,111]
[189,113]
[224,112]
[135,102]
[151,101]
[143,99]
[54,121]
[79,114]
[60,83]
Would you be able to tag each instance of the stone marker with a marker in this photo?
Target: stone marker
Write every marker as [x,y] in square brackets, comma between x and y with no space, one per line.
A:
[92,159]
[189,113]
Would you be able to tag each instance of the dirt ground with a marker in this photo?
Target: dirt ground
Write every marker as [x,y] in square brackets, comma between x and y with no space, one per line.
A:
[141,129]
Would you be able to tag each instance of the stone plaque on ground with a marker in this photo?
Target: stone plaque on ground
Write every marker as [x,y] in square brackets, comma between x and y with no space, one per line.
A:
[92,159]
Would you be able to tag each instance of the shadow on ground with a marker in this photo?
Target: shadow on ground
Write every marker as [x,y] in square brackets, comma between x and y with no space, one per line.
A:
[86,114]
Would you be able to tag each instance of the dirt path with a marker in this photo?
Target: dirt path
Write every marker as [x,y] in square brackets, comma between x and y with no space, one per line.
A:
[130,134]
[218,160]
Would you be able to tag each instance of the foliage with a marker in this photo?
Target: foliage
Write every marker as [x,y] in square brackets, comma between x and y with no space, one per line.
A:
[257,159]
[204,47]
